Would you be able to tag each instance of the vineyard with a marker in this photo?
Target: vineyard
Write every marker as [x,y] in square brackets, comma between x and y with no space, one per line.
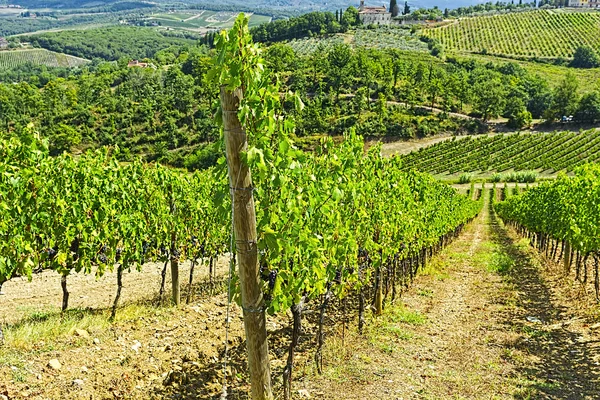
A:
[308,46]
[316,243]
[542,33]
[389,38]
[559,151]
[562,220]
[92,214]
[14,58]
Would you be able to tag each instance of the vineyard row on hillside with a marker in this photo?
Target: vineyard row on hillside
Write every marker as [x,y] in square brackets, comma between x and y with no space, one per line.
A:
[15,58]
[525,151]
[542,33]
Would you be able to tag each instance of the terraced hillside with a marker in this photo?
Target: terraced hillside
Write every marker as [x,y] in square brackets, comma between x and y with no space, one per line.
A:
[541,33]
[550,152]
[14,58]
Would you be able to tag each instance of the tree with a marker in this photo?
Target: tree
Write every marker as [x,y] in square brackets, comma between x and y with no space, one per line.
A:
[585,57]
[394,8]
[565,98]
[406,8]
[350,17]
[518,115]
[489,95]
[339,59]
[589,107]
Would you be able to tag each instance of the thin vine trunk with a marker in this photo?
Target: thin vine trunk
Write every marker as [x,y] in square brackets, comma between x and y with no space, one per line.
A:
[65,291]
[296,331]
[189,293]
[163,277]
[118,296]
[176,294]
[320,334]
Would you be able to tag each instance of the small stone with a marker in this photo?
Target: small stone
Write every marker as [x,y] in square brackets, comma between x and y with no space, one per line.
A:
[82,333]
[54,364]
[3,397]
[136,346]
[84,369]
[304,393]
[78,382]
[39,377]
[96,341]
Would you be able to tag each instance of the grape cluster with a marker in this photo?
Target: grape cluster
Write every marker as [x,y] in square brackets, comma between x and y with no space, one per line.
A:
[338,276]
[272,278]
[51,253]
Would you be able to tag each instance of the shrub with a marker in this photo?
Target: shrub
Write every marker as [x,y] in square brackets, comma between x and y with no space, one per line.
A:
[465,178]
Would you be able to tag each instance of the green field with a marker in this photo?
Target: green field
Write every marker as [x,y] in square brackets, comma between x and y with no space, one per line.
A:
[546,153]
[541,33]
[554,74]
[14,58]
[202,19]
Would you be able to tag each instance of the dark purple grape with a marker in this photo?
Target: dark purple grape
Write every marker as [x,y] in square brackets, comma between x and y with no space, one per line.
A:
[338,276]
[272,279]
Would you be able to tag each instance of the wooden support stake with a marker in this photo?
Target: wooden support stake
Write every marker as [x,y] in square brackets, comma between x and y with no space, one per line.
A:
[244,228]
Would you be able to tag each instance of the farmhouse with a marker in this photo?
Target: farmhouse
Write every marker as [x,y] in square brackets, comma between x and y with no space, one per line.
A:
[3,43]
[584,3]
[374,15]
[136,63]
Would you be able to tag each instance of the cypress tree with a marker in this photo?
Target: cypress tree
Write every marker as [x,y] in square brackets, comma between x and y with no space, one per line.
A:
[394,8]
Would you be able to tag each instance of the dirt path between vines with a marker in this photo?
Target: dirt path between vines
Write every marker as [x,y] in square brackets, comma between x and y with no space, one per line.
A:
[485,320]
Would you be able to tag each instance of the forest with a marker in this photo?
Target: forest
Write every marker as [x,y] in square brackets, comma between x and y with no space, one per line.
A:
[111,43]
[165,113]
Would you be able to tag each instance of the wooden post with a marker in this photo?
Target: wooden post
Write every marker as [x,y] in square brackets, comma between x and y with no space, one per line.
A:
[244,228]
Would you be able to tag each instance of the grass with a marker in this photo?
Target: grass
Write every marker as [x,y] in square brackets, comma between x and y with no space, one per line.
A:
[553,74]
[400,314]
[44,330]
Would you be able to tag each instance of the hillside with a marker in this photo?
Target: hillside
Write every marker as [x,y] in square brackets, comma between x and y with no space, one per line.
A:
[541,33]
[109,43]
[15,58]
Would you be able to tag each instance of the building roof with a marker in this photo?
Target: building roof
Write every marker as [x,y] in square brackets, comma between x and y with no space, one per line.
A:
[373,10]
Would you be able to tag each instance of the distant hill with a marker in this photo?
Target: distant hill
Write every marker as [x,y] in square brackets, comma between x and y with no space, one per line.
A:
[110,43]
[540,33]
[304,6]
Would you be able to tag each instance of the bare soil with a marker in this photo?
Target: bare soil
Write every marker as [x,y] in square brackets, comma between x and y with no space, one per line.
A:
[21,297]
